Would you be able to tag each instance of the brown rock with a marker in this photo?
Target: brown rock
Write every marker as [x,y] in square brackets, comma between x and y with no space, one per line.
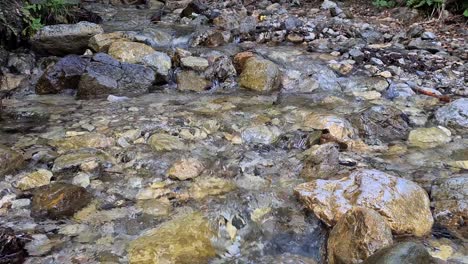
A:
[58,200]
[402,203]
[357,235]
[191,81]
[260,75]
[131,52]
[240,59]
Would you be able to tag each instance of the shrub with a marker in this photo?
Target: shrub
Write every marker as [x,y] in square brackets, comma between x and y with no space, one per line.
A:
[39,13]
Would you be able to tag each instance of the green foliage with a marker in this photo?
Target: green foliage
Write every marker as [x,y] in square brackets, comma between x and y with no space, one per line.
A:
[45,12]
[384,3]
[423,3]
[465,13]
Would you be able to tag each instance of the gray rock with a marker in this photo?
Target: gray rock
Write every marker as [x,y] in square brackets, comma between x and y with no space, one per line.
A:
[248,25]
[65,39]
[9,160]
[65,74]
[191,81]
[428,35]
[407,252]
[399,91]
[327,4]
[422,44]
[260,134]
[454,114]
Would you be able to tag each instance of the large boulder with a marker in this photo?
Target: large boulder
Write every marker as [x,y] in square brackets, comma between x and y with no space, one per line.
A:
[357,235]
[9,160]
[260,75]
[104,76]
[402,203]
[65,74]
[65,39]
[450,202]
[454,114]
[184,240]
[406,252]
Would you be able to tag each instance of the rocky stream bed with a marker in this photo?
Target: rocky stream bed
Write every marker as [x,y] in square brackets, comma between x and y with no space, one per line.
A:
[230,132]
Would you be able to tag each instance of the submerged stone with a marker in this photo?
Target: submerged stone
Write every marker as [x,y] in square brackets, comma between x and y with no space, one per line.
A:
[429,137]
[9,160]
[90,140]
[191,81]
[454,114]
[58,200]
[210,186]
[35,179]
[185,169]
[165,142]
[184,240]
[406,252]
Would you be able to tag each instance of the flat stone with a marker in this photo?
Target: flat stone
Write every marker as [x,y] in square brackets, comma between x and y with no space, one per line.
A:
[402,203]
[165,142]
[102,42]
[338,127]
[194,63]
[89,140]
[357,235]
[260,134]
[210,186]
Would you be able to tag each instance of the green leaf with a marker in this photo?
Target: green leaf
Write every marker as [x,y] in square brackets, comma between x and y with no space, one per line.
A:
[465,13]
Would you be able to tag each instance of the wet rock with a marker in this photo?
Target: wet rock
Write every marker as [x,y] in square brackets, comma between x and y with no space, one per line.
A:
[22,63]
[381,123]
[403,204]
[454,114]
[428,35]
[165,142]
[429,137]
[193,8]
[322,161]
[357,235]
[58,200]
[336,126]
[450,202]
[10,82]
[406,252]
[211,186]
[185,169]
[183,240]
[65,38]
[65,74]
[102,42]
[89,140]
[131,52]
[363,84]
[327,4]
[35,179]
[399,91]
[192,81]
[12,250]
[155,207]
[260,75]
[260,134]
[194,63]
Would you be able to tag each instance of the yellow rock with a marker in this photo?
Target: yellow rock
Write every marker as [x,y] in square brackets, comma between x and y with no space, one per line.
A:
[210,187]
[260,75]
[184,240]
[101,42]
[185,169]
[35,179]
[131,52]
[165,142]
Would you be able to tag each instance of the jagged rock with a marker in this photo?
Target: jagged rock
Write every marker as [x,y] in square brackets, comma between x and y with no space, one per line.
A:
[260,75]
[58,200]
[406,252]
[454,114]
[184,240]
[322,161]
[403,204]
[9,160]
[357,235]
[65,39]
[102,42]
